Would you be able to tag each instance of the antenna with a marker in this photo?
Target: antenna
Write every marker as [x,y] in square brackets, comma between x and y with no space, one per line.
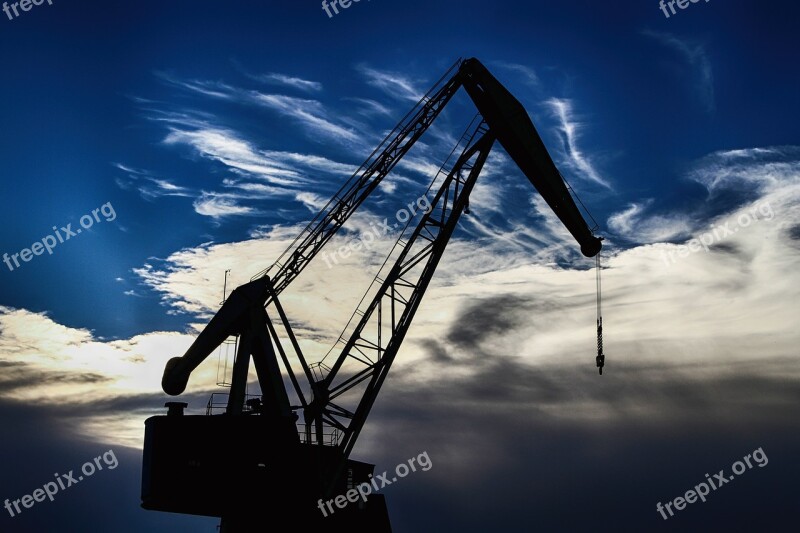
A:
[225,287]
[227,350]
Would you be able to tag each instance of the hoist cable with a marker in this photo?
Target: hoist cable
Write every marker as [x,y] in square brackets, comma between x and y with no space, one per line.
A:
[601,358]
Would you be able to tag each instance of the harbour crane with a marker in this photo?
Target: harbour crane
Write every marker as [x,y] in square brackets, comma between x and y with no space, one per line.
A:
[286,449]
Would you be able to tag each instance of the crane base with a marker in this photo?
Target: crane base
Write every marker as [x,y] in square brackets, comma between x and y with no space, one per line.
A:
[237,468]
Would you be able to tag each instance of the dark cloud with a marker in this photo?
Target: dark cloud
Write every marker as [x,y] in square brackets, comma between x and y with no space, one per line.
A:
[794,232]
[39,441]
[436,350]
[556,448]
[725,247]
[18,376]
[523,447]
[494,316]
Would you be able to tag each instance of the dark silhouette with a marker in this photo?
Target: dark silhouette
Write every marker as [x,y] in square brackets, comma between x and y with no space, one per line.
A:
[242,468]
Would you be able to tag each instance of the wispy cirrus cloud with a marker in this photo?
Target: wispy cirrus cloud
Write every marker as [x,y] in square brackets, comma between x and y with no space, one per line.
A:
[311,114]
[525,72]
[147,184]
[218,205]
[392,83]
[288,81]
[254,174]
[635,224]
[570,128]
[280,168]
[214,89]
[696,56]
[279,174]
[227,147]
[368,107]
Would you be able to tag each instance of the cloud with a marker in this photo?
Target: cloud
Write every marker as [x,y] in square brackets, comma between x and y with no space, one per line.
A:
[184,279]
[104,388]
[225,146]
[525,72]
[580,163]
[369,107]
[285,173]
[700,356]
[420,164]
[634,224]
[289,81]
[149,185]
[696,56]
[500,356]
[217,206]
[214,89]
[310,113]
[641,422]
[753,170]
[391,83]
[498,260]
[738,182]
[502,264]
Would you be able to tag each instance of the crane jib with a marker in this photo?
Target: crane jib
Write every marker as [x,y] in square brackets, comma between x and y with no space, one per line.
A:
[514,129]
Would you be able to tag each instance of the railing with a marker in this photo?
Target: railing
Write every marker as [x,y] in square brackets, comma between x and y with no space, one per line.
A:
[218,403]
[330,437]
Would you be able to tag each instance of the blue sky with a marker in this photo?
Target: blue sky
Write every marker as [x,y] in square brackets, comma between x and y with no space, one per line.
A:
[217,130]
[107,81]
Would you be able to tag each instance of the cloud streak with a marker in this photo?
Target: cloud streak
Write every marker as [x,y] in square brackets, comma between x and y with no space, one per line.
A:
[311,114]
[289,81]
[393,84]
[696,57]
[562,109]
[149,185]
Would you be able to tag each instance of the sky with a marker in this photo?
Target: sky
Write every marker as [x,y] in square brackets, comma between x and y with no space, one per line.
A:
[171,142]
